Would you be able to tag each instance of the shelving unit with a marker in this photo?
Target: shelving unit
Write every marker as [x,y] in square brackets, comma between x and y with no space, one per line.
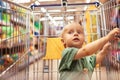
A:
[14,33]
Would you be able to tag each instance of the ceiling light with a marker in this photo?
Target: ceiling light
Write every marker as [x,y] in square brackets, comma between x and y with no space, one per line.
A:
[87,1]
[43,9]
[71,10]
[61,18]
[54,10]
[37,3]
[47,14]
[21,1]
[45,0]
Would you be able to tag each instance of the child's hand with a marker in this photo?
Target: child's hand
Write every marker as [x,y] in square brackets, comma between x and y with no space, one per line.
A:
[102,53]
[112,34]
[107,47]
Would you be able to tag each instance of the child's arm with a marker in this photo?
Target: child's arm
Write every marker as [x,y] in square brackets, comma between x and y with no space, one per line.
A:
[94,46]
[102,53]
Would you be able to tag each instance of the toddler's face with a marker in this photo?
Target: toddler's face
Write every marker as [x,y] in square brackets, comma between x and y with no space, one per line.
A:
[73,36]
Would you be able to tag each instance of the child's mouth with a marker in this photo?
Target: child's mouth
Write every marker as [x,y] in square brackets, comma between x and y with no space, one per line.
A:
[76,39]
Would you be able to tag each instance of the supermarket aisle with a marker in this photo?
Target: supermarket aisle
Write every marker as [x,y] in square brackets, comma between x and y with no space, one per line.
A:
[40,69]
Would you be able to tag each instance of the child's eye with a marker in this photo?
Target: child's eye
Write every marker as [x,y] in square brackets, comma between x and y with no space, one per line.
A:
[79,32]
[70,32]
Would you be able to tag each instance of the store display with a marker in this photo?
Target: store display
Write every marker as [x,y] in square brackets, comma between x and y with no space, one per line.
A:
[12,34]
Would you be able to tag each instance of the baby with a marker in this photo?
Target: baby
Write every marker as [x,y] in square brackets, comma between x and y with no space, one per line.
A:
[78,61]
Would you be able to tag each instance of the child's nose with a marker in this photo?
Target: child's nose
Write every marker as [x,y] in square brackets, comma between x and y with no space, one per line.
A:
[75,34]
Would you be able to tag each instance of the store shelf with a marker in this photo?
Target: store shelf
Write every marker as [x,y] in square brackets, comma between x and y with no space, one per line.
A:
[14,49]
[19,22]
[2,23]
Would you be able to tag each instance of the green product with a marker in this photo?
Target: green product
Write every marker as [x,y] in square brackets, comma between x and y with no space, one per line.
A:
[29,54]
[15,56]
[38,25]
[7,30]
[22,30]
[6,17]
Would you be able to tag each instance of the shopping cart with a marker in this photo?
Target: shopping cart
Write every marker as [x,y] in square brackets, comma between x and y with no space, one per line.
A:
[110,18]
[40,60]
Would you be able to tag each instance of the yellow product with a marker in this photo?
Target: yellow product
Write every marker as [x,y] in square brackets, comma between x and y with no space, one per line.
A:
[15,36]
[54,48]
[15,33]
[8,58]
[2,67]
[3,36]
[90,24]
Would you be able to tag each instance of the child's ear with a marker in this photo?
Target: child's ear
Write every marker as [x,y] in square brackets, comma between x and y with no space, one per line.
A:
[62,40]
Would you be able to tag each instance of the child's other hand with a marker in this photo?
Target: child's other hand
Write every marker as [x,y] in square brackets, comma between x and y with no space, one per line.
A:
[107,47]
[112,34]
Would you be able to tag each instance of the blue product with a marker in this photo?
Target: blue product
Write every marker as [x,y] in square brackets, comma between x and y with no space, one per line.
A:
[1,62]
[0,16]
[36,33]
[2,5]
